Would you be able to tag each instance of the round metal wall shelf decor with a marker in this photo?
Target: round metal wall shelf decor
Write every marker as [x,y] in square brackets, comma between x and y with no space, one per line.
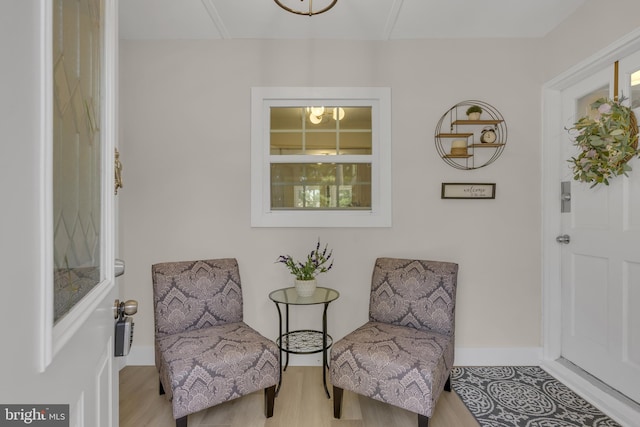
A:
[467,141]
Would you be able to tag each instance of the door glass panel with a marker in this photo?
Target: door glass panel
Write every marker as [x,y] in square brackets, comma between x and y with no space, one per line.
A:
[635,89]
[583,107]
[77,44]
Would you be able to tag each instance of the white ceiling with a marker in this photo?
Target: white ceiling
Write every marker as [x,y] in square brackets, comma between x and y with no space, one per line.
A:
[349,19]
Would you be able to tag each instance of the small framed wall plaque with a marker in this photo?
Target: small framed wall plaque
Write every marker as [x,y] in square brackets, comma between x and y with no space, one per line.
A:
[451,190]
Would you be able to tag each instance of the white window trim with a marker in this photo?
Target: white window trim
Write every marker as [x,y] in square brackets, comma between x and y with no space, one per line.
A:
[379,98]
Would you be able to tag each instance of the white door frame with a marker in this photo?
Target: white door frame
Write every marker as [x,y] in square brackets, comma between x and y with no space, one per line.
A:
[624,412]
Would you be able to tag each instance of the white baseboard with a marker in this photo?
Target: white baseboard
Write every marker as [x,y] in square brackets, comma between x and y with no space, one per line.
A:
[500,356]
[626,413]
[141,356]
[507,356]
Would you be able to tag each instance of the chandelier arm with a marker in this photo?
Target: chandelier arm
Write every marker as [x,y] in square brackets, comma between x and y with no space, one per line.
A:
[311,12]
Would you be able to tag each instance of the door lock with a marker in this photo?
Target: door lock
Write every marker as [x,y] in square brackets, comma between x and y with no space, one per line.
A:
[118,268]
[564,239]
[565,197]
[124,325]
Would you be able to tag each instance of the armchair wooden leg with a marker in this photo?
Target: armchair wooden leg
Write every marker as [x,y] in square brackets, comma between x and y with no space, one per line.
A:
[182,422]
[337,401]
[447,385]
[423,421]
[269,397]
[161,388]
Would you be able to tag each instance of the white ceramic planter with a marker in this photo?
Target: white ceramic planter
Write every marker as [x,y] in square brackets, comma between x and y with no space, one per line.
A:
[305,288]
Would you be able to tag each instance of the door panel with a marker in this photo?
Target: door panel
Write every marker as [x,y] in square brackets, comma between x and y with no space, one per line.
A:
[38,368]
[630,276]
[632,297]
[591,208]
[586,301]
[599,274]
[78,367]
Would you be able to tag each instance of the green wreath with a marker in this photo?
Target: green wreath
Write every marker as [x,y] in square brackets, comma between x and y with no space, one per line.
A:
[607,142]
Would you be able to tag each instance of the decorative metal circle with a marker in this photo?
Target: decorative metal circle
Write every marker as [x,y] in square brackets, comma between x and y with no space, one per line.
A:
[310,10]
[453,124]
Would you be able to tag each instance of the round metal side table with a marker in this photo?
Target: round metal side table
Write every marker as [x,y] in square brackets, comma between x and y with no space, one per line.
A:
[303,341]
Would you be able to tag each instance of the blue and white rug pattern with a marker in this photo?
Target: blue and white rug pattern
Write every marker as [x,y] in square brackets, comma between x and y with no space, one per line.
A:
[523,396]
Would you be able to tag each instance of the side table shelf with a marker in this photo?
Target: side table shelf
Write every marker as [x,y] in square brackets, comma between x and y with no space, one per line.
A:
[305,341]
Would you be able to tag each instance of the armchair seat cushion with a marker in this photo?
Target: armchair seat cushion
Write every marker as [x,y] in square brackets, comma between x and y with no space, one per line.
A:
[402,366]
[212,365]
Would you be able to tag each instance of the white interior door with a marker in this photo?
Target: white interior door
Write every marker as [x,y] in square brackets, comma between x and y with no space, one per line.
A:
[601,263]
[77,362]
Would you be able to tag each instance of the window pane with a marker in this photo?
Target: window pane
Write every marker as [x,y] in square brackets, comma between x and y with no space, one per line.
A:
[358,118]
[321,186]
[286,118]
[322,143]
[321,130]
[635,90]
[76,151]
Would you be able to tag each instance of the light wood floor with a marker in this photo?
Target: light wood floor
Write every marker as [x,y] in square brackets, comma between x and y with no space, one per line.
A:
[301,403]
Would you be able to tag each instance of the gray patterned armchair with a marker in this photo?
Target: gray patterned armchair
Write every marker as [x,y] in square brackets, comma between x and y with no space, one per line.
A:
[205,353]
[404,354]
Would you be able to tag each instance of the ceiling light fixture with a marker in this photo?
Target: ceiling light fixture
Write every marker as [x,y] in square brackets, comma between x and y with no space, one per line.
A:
[321,6]
[316,114]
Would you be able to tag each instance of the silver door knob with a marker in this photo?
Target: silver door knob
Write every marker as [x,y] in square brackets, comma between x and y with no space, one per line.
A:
[564,239]
[122,308]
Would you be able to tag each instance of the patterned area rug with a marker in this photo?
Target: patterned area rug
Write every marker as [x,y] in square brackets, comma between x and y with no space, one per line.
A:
[523,396]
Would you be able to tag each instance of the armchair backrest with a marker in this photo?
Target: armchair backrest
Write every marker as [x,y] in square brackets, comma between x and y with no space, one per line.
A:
[191,295]
[414,293]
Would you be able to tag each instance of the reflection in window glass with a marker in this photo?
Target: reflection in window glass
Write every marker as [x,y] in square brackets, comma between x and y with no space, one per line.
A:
[331,130]
[320,131]
[583,104]
[345,186]
[635,89]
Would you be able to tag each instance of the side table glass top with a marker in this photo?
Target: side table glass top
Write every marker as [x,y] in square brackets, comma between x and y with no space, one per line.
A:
[290,296]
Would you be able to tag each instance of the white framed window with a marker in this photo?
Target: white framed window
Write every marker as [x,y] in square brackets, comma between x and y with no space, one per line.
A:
[320,157]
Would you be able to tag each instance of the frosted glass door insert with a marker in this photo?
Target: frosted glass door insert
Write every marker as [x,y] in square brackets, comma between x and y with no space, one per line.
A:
[77,49]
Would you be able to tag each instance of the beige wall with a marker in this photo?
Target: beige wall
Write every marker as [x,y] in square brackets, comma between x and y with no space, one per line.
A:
[185,144]
[588,31]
